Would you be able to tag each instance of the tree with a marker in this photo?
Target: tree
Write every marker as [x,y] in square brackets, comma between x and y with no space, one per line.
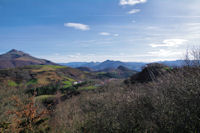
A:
[192,57]
[27,118]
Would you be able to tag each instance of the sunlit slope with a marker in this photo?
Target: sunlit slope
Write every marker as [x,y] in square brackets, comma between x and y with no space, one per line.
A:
[41,75]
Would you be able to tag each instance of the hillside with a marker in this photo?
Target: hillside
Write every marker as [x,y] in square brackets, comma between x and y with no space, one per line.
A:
[15,58]
[41,75]
[149,73]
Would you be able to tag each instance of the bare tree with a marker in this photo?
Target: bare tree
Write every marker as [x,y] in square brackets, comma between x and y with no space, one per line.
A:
[192,57]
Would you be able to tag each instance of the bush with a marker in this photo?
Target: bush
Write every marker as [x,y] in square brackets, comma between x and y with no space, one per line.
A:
[25,117]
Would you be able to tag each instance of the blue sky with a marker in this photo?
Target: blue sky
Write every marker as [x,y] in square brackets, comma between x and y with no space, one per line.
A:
[97,30]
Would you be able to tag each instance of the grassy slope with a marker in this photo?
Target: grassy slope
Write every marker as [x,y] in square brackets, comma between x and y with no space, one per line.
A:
[40,75]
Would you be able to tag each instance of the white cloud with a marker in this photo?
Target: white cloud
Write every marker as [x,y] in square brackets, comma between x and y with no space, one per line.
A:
[133,11]
[165,53]
[193,24]
[131,2]
[77,26]
[169,43]
[108,34]
[116,35]
[104,34]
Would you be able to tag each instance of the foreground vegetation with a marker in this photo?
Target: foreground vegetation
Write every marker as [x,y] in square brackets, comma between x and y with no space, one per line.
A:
[168,103]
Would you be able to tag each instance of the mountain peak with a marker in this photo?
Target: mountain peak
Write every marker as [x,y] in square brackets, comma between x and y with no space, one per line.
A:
[15,54]
[108,61]
[13,50]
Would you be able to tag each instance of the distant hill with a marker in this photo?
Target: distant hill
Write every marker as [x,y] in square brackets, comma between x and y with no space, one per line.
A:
[119,73]
[15,58]
[149,73]
[109,64]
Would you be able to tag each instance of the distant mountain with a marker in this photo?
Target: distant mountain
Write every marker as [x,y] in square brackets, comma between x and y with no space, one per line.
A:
[81,64]
[109,64]
[15,58]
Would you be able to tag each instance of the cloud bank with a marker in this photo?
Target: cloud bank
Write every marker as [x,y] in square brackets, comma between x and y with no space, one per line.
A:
[169,43]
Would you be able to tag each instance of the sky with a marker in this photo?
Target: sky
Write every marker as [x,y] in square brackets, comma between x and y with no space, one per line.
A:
[96,30]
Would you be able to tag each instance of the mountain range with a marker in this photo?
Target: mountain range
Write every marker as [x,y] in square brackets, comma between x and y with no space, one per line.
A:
[15,58]
[109,64]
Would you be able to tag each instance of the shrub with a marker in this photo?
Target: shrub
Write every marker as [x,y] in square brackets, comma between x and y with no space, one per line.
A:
[26,118]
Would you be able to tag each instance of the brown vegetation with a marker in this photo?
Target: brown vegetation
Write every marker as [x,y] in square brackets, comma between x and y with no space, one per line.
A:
[170,104]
